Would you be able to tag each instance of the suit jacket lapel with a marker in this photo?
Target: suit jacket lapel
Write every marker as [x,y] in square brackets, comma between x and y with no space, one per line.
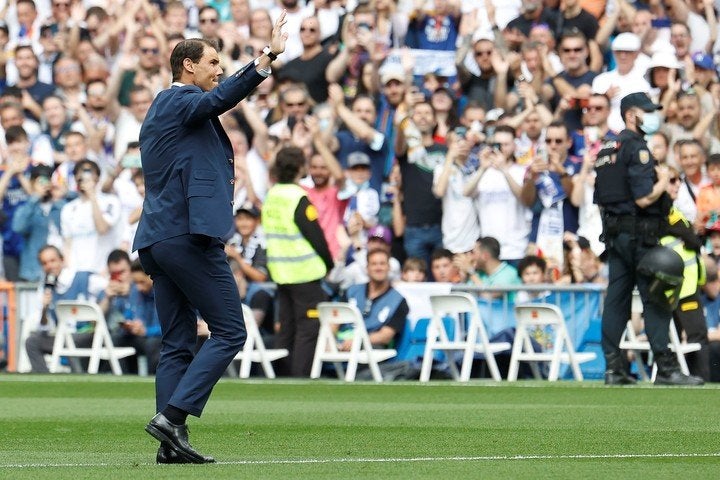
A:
[227,146]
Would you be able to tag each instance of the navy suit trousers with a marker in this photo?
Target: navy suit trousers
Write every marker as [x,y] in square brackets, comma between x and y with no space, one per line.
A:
[191,272]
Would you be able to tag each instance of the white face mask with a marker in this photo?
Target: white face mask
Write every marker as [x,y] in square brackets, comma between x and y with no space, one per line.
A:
[649,123]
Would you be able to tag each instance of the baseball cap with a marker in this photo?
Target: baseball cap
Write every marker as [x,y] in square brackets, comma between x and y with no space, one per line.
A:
[703,60]
[392,72]
[249,208]
[41,171]
[626,42]
[382,232]
[358,159]
[640,100]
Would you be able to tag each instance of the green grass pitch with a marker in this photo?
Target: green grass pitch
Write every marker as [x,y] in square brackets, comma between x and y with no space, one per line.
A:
[78,427]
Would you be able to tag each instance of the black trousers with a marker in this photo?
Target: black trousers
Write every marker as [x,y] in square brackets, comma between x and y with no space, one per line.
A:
[298,332]
[691,319]
[624,253]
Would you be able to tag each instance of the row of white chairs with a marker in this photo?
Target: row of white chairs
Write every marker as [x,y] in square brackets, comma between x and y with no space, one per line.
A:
[462,338]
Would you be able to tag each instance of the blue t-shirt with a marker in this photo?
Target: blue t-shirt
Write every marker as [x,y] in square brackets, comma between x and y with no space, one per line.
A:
[350,144]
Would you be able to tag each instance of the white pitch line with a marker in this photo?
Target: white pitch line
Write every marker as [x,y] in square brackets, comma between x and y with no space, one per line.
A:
[609,456]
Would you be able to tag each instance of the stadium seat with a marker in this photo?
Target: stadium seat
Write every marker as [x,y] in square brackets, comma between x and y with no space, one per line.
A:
[548,317]
[69,313]
[470,336]
[631,342]
[254,349]
[361,351]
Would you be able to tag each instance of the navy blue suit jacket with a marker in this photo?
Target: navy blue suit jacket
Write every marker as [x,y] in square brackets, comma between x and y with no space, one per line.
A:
[187,161]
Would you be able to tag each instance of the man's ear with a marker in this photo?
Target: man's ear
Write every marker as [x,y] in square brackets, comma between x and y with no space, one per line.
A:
[188,65]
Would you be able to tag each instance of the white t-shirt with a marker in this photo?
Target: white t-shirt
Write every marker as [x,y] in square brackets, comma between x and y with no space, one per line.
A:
[127,129]
[502,215]
[630,83]
[460,222]
[89,250]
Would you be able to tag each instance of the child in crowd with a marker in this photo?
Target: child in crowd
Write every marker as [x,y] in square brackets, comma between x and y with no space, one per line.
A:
[532,270]
[414,270]
[708,199]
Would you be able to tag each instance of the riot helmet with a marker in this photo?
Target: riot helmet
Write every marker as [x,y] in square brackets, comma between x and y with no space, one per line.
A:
[665,268]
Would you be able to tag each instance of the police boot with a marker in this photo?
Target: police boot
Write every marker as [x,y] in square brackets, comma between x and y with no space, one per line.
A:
[669,373]
[616,370]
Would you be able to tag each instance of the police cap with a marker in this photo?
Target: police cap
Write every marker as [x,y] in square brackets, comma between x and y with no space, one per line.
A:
[638,99]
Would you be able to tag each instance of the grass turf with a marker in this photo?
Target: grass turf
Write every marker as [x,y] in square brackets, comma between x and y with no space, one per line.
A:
[79,427]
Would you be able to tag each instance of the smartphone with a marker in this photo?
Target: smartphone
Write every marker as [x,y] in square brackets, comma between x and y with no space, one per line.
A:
[460,131]
[496,147]
[249,50]
[660,22]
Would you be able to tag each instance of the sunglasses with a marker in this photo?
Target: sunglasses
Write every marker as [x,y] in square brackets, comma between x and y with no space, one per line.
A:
[298,104]
[208,20]
[573,50]
[366,309]
[482,53]
[148,51]
[594,108]
[674,180]
[308,29]
[556,141]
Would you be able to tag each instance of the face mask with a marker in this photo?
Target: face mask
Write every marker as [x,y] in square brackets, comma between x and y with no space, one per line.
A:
[131,160]
[650,123]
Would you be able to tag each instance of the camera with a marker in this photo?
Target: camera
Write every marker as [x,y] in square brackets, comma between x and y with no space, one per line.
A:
[460,132]
[496,146]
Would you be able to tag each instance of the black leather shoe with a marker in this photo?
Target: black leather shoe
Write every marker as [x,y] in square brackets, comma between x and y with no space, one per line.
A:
[676,377]
[167,454]
[618,378]
[176,436]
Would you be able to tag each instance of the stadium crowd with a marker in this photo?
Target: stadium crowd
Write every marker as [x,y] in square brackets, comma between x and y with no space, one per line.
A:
[458,137]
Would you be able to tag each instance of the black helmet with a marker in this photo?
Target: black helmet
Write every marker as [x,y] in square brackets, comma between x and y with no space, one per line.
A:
[665,268]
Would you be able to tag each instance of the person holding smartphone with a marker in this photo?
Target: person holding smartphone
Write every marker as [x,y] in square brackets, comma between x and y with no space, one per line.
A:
[90,223]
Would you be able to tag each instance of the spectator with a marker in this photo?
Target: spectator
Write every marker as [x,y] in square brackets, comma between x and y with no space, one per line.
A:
[708,197]
[627,78]
[294,105]
[383,308]
[89,223]
[129,309]
[359,135]
[691,157]
[573,15]
[246,249]
[309,68]
[11,115]
[418,155]
[34,91]
[496,188]
[38,221]
[532,271]
[61,283]
[414,270]
[57,124]
[692,123]
[15,189]
[435,29]
[67,77]
[492,270]
[460,222]
[659,145]
[443,267]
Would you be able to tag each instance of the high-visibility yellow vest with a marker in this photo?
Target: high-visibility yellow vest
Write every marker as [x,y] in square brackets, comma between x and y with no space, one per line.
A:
[694,273]
[290,257]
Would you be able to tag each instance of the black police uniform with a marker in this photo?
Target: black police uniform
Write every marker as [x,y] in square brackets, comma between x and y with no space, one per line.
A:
[625,172]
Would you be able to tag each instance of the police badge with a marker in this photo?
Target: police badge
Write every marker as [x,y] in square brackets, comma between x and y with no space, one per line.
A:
[644,156]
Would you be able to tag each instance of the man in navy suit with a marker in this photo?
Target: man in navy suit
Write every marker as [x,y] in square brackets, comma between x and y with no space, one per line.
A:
[187,161]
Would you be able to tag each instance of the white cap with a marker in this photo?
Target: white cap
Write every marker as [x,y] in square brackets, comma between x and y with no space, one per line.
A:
[483,35]
[626,42]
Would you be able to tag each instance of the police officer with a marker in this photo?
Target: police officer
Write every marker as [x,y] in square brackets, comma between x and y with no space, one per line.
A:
[298,259]
[631,193]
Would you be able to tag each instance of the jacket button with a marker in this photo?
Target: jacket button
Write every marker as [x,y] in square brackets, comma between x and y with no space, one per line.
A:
[232,181]
[230,160]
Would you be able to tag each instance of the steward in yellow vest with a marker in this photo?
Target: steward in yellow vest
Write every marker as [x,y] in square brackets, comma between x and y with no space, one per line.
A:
[298,258]
[681,237]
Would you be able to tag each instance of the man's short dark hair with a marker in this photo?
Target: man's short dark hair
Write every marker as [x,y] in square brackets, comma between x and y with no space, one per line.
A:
[506,129]
[559,124]
[440,253]
[713,159]
[490,245]
[84,164]
[15,134]
[529,261]
[117,256]
[193,49]
[288,162]
[376,251]
[572,32]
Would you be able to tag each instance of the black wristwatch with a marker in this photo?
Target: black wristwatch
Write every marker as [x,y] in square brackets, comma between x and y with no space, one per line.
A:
[270,54]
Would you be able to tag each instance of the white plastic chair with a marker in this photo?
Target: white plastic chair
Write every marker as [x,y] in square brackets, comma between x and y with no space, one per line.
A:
[361,350]
[544,315]
[630,341]
[473,340]
[254,349]
[68,314]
